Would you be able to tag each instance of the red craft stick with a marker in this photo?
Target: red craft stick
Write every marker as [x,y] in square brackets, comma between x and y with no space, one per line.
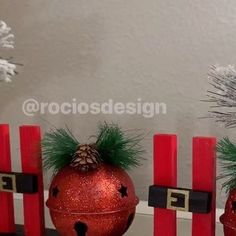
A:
[165,174]
[204,179]
[7,222]
[32,163]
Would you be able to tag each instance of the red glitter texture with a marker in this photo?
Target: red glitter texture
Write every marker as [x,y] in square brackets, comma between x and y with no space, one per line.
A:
[228,219]
[95,198]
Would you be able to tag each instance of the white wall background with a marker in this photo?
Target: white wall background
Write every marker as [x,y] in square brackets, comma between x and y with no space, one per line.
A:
[156,50]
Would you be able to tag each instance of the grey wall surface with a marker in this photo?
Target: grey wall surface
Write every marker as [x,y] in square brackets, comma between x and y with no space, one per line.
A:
[93,51]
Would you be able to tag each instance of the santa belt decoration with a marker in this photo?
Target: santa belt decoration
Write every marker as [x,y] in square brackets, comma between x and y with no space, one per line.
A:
[18,183]
[179,199]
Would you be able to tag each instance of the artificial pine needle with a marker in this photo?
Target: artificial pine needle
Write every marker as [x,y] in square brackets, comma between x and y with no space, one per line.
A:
[118,148]
[227,155]
[58,146]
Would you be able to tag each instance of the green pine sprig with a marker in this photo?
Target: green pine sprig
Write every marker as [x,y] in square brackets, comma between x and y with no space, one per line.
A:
[118,148]
[59,146]
[227,155]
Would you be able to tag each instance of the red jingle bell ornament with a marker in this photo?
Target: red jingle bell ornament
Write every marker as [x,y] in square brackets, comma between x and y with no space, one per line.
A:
[91,194]
[228,219]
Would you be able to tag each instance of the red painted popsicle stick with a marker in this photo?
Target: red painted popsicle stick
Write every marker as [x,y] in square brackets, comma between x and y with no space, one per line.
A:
[32,163]
[165,174]
[204,179]
[7,222]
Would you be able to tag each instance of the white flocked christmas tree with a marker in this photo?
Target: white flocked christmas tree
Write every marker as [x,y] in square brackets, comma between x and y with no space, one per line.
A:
[7,69]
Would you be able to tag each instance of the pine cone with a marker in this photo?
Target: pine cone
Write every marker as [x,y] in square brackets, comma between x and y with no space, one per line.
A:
[86,157]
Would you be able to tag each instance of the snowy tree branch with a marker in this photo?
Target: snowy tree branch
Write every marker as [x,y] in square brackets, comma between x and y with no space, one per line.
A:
[222,96]
[7,69]
[6,38]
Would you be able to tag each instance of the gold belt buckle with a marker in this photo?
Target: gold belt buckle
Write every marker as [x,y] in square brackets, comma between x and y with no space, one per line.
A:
[4,183]
[171,200]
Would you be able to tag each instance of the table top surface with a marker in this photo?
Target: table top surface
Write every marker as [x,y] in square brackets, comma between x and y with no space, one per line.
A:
[20,232]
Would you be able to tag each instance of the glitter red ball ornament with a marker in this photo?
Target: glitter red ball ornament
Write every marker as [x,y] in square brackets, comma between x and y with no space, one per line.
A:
[228,219]
[100,202]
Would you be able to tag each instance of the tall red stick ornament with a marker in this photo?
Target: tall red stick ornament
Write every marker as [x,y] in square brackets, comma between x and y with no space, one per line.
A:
[7,222]
[166,198]
[29,182]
